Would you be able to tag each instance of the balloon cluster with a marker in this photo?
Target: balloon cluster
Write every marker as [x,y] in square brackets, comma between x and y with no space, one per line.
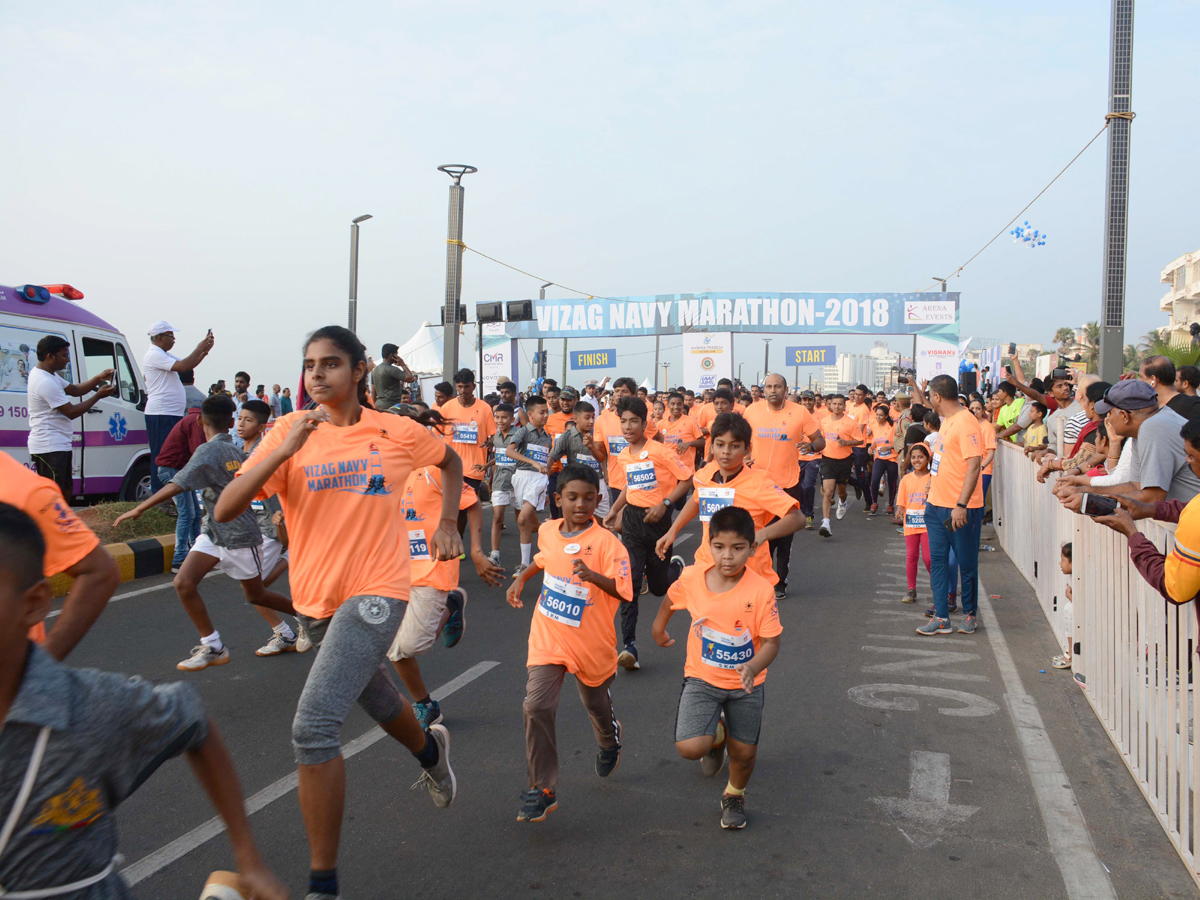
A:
[1030,237]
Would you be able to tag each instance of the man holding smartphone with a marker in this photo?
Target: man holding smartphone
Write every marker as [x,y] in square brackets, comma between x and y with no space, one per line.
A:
[166,400]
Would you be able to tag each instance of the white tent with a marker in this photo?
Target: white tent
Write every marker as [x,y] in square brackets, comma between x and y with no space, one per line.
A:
[423,351]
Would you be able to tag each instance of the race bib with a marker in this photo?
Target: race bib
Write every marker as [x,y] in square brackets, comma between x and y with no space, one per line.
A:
[418,547]
[937,458]
[616,445]
[914,518]
[713,498]
[725,651]
[590,461]
[502,457]
[640,476]
[466,432]
[561,601]
[538,453]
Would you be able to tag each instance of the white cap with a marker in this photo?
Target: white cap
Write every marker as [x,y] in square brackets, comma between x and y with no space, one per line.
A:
[160,327]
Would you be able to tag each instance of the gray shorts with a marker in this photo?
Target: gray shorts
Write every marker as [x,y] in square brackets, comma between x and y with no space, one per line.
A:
[701,705]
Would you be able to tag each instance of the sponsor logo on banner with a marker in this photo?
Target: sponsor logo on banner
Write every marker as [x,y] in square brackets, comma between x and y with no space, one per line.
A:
[707,358]
[824,355]
[928,312]
[593,359]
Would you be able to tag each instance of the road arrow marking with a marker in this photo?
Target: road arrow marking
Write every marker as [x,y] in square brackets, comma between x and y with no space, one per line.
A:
[927,812]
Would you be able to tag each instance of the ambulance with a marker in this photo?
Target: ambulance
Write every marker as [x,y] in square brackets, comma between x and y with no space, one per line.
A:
[110,452]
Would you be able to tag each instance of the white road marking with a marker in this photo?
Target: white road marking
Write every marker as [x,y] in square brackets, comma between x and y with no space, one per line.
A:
[683,537]
[1085,876]
[912,694]
[202,834]
[921,665]
[146,590]
[927,811]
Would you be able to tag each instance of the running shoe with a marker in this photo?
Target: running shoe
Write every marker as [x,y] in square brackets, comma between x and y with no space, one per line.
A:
[808,523]
[439,780]
[303,641]
[608,758]
[645,587]
[276,645]
[857,492]
[733,810]
[202,657]
[931,612]
[825,531]
[677,567]
[494,557]
[521,567]
[842,506]
[175,568]
[628,657]
[1061,662]
[456,625]
[714,760]
[780,592]
[891,511]
[873,510]
[428,714]
[966,625]
[910,597]
[536,805]
[935,626]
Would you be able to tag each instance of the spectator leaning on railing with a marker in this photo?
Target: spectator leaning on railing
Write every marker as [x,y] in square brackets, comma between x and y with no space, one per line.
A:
[1159,468]
[1081,456]
[1007,428]
[1159,373]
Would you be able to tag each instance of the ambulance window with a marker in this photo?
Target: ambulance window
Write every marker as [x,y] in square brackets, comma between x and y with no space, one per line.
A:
[97,356]
[125,377]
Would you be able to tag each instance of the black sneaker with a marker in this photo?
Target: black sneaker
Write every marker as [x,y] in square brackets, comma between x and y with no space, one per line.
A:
[733,811]
[677,567]
[536,805]
[780,592]
[608,758]
[628,657]
[456,605]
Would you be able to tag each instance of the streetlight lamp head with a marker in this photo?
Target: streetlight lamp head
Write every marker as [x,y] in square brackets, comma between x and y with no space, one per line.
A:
[360,219]
[457,171]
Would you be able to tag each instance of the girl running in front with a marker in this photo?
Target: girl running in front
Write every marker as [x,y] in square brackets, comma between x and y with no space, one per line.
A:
[340,470]
[880,436]
[910,511]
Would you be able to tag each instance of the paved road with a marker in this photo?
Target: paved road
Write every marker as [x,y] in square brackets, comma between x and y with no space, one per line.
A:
[922,789]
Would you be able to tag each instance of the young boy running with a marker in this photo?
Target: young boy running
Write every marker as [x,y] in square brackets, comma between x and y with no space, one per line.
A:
[437,605]
[75,743]
[842,435]
[586,579]
[651,478]
[236,547]
[502,466]
[577,445]
[530,447]
[733,637]
[681,432]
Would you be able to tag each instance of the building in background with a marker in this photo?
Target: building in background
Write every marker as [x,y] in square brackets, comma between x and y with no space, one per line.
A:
[1182,299]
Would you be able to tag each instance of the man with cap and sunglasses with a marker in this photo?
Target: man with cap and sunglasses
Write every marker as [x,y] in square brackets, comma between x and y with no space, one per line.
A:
[166,399]
[1160,468]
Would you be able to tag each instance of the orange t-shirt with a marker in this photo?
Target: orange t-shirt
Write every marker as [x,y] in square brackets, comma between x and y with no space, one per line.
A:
[607,431]
[817,415]
[989,443]
[776,435]
[342,493]
[681,432]
[860,413]
[912,493]
[470,434]
[422,506]
[845,428]
[755,491]
[727,629]
[67,539]
[881,439]
[958,440]
[556,424]
[649,477]
[573,623]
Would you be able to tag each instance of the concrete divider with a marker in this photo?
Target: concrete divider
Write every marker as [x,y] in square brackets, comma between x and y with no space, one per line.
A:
[135,559]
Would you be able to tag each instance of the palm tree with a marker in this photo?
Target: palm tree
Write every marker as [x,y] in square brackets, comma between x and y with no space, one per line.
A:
[1149,340]
[1131,359]
[1091,344]
[1064,337]
[1188,355]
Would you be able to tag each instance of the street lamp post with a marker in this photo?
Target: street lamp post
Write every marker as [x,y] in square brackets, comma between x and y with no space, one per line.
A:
[537,370]
[354,223]
[766,358]
[454,248]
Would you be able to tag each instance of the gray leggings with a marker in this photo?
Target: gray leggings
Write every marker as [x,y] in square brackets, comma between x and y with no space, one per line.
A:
[351,665]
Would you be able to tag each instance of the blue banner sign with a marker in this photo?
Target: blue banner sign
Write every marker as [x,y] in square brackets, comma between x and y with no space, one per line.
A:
[824,355]
[593,359]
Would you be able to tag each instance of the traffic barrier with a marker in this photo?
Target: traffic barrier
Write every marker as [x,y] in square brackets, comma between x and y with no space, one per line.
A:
[1134,650]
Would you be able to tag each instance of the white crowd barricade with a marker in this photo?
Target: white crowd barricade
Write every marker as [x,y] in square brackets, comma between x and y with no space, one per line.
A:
[1135,651]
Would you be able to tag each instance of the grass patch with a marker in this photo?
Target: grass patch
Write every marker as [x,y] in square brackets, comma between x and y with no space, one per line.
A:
[100,519]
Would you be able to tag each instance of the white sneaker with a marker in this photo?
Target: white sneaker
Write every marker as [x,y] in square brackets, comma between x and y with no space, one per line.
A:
[303,644]
[440,780]
[825,529]
[841,509]
[276,645]
[202,657]
[494,557]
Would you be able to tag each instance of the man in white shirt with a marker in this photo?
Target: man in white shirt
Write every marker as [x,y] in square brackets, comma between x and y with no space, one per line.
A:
[166,400]
[51,410]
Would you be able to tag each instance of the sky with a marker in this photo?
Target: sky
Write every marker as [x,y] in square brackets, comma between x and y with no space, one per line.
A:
[202,161]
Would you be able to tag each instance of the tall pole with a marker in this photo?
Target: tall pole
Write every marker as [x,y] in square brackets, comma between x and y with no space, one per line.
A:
[656,361]
[1116,194]
[454,248]
[352,324]
[766,357]
[537,370]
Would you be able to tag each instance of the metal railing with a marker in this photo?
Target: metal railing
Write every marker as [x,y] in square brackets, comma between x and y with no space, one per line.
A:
[1133,649]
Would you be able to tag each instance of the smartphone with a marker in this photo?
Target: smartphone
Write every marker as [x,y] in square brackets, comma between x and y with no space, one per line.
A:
[1096,505]
[1008,370]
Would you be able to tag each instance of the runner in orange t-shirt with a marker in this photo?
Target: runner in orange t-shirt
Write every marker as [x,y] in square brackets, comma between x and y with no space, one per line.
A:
[587,577]
[556,424]
[881,438]
[652,480]
[910,512]
[71,547]
[810,463]
[734,636]
[858,407]
[436,604]
[472,428]
[842,435]
[610,439]
[681,432]
[339,471]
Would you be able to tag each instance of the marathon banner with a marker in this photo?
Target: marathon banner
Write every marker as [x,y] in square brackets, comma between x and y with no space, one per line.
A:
[825,355]
[707,358]
[936,358]
[499,358]
[593,359]
[932,313]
